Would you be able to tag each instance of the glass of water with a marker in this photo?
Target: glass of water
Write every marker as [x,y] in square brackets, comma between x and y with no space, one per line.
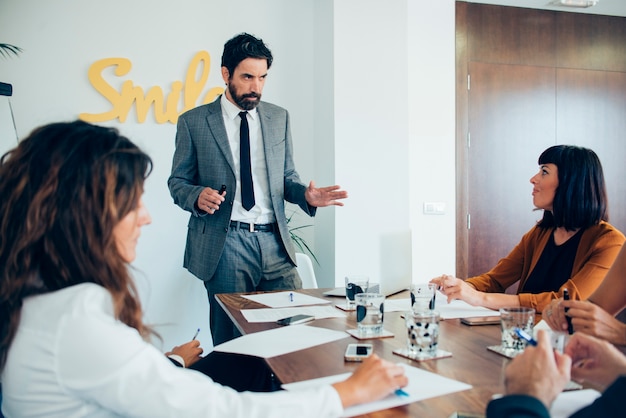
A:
[354,286]
[370,312]
[422,334]
[423,296]
[516,317]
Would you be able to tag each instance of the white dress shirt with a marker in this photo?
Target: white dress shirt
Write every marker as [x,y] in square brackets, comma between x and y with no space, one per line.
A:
[72,358]
[262,212]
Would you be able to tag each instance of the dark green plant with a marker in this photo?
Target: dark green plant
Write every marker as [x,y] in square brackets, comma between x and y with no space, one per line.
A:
[7,50]
[298,240]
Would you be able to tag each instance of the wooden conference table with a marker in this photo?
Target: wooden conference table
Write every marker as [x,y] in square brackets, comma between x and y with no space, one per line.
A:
[470,363]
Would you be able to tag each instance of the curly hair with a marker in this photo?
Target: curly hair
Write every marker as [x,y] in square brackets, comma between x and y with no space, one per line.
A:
[63,189]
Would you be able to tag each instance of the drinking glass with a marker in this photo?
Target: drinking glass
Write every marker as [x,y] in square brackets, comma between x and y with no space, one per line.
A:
[370,312]
[515,317]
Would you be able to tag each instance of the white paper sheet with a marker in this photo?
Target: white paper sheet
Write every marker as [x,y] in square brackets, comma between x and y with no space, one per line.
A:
[283,340]
[452,310]
[397,305]
[459,309]
[285,299]
[422,385]
[569,402]
[274,314]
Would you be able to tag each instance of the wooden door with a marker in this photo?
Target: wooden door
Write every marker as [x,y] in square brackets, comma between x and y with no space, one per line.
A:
[511,121]
[537,78]
[591,112]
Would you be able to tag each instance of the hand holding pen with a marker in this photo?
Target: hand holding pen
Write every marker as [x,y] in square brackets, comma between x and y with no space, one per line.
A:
[190,352]
[538,371]
[570,327]
[374,379]
[555,315]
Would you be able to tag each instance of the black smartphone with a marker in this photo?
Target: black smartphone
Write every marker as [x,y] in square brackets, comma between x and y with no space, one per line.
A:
[357,352]
[296,319]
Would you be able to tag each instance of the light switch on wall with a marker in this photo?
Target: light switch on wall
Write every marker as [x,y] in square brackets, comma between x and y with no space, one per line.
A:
[434,208]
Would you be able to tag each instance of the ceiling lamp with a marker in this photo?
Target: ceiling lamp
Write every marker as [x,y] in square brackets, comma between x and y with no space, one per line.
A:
[575,3]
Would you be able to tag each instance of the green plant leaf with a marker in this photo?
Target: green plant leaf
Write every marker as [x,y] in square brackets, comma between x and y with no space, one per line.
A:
[7,50]
[298,240]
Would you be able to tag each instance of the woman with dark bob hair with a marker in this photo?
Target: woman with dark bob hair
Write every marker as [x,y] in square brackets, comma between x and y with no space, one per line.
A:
[572,247]
[72,340]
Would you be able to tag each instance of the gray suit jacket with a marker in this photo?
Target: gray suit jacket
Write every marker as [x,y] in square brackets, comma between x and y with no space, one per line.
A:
[203,158]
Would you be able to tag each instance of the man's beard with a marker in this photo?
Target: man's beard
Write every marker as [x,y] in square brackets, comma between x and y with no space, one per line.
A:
[241,100]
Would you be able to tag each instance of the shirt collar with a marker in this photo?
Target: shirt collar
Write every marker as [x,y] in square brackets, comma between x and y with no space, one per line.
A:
[232,111]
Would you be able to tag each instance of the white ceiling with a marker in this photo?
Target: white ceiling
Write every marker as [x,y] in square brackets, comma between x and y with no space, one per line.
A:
[604,7]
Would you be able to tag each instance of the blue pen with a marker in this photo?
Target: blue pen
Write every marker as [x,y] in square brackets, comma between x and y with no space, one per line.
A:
[195,335]
[291,296]
[525,336]
[400,392]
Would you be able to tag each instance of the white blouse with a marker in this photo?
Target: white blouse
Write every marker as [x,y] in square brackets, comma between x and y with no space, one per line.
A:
[72,358]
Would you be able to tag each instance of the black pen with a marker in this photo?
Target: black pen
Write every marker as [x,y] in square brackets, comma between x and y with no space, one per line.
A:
[222,189]
[570,327]
[196,334]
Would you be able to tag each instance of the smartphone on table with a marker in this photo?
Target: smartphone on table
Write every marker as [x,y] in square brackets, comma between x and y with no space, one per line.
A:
[481,320]
[358,352]
[294,320]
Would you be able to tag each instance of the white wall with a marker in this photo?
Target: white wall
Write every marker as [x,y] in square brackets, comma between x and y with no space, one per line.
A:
[431,84]
[334,73]
[394,135]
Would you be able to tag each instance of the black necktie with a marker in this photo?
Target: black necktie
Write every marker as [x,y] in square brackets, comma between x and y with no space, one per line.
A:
[245,169]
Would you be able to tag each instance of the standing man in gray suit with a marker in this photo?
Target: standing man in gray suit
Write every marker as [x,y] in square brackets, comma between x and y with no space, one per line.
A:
[233,170]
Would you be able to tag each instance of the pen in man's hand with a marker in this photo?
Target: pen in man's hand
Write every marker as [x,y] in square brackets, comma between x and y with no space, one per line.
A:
[525,336]
[196,334]
[570,327]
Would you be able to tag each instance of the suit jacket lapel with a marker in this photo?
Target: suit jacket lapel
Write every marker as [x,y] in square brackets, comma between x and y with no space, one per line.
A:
[270,142]
[218,130]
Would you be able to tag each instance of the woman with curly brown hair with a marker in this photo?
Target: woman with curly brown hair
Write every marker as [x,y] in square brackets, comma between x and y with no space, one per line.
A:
[72,340]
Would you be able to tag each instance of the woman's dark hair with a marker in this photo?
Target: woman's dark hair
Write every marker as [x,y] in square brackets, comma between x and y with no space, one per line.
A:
[244,46]
[580,199]
[63,189]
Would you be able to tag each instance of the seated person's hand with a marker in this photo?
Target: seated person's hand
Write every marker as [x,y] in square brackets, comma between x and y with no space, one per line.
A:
[539,371]
[373,380]
[595,361]
[190,352]
[455,288]
[554,315]
[589,318]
